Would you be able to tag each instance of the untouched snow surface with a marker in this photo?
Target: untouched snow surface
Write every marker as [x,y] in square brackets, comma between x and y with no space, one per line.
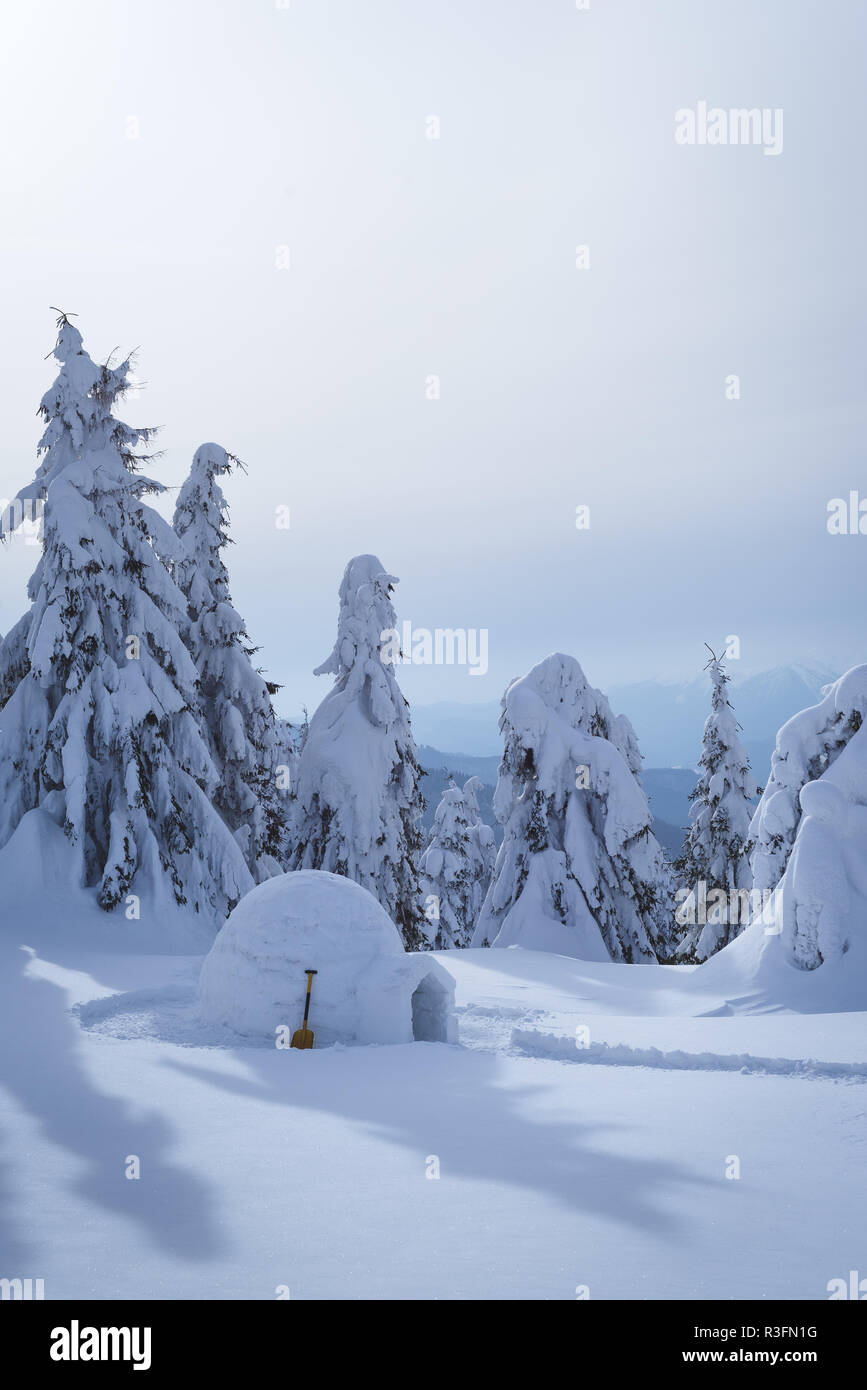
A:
[264,1170]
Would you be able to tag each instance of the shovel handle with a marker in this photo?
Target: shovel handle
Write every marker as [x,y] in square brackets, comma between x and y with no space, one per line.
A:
[309,974]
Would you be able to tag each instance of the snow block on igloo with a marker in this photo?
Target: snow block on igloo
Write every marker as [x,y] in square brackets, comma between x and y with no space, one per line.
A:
[367,989]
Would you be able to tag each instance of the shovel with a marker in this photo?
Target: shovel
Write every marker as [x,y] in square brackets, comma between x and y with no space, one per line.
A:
[303,1036]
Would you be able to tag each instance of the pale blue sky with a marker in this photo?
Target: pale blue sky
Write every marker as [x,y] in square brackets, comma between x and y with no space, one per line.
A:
[261,127]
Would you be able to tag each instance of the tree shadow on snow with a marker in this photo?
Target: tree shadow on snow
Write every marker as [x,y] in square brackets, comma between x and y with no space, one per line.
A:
[42,1068]
[15,1258]
[453,1102]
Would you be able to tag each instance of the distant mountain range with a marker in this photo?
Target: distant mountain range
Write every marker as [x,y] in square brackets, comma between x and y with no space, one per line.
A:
[669,719]
[667,716]
[471,730]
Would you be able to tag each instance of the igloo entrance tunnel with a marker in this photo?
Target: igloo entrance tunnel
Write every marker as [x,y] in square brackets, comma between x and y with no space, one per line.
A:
[368,989]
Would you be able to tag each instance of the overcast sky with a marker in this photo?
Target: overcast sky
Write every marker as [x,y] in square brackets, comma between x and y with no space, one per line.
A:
[162,161]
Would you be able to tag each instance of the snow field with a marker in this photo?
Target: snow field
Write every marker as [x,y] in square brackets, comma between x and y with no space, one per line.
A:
[263,1169]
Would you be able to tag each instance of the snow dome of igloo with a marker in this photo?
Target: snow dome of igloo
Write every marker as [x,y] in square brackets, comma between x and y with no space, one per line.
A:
[367,989]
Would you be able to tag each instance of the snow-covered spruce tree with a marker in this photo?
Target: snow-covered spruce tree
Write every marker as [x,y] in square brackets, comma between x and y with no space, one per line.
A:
[811,830]
[357,801]
[71,410]
[717,845]
[579,871]
[75,408]
[290,741]
[101,731]
[456,867]
[807,746]
[237,714]
[14,661]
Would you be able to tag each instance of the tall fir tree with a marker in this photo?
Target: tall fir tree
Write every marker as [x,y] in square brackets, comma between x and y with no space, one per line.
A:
[579,871]
[14,661]
[101,729]
[456,866]
[76,410]
[357,802]
[236,706]
[810,833]
[807,746]
[717,845]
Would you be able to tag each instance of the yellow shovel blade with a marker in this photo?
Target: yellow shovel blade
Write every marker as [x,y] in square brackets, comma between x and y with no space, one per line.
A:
[302,1037]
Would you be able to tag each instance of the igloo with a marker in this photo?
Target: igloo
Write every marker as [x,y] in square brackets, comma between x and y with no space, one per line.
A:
[368,989]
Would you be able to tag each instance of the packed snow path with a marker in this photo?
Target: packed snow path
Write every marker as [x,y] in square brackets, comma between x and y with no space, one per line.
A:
[265,1170]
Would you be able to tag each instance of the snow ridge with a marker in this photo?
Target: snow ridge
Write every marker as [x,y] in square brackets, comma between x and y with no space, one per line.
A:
[620,1055]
